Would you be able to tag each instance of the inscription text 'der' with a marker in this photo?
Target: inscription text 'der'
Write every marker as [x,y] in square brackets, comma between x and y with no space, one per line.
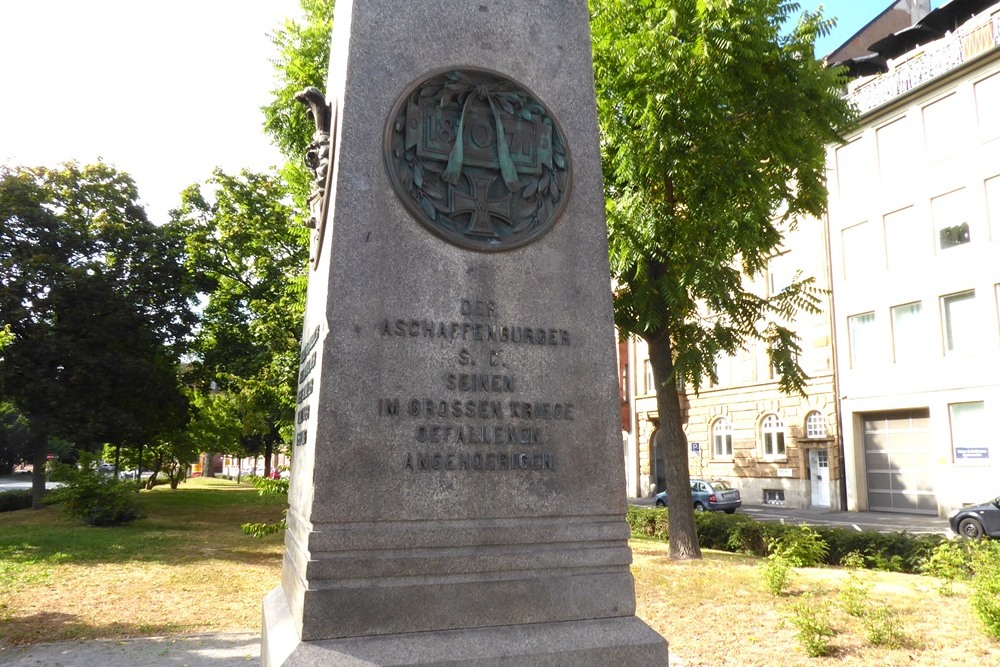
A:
[511,428]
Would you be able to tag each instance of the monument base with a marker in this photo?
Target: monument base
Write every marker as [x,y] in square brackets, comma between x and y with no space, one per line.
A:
[623,641]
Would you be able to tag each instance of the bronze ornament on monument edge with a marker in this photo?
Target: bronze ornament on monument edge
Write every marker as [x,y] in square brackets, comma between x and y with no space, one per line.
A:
[457,179]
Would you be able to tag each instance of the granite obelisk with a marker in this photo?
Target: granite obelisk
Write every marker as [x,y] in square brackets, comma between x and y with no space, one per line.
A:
[457,491]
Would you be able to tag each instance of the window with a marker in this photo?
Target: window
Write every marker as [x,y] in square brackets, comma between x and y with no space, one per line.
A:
[907,238]
[854,169]
[772,435]
[988,107]
[781,273]
[895,151]
[968,433]
[862,251]
[942,128]
[650,385]
[993,206]
[815,425]
[951,228]
[908,333]
[861,331]
[722,439]
[774,496]
[961,333]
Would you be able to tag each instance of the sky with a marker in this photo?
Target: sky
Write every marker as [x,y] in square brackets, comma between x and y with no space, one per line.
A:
[167,91]
[851,15]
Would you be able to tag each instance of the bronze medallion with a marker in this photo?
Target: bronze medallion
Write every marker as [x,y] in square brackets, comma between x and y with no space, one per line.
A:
[453,174]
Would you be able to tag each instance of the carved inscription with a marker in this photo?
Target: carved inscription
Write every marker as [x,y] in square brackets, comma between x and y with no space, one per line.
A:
[485,417]
[307,362]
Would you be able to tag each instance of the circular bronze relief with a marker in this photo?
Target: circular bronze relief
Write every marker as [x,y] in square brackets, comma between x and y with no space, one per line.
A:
[477,159]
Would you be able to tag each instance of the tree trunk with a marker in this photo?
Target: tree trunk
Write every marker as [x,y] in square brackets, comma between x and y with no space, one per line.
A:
[683,537]
[39,459]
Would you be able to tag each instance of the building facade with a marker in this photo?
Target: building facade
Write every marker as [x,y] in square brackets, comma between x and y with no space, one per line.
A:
[914,233]
[904,360]
[777,449]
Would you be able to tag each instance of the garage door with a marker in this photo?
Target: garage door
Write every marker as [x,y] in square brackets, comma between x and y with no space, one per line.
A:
[898,461]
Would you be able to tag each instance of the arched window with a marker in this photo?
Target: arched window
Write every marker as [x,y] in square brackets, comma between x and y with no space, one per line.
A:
[722,439]
[815,425]
[772,435]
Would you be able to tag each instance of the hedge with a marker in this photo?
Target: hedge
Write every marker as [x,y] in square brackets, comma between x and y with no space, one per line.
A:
[739,533]
[11,501]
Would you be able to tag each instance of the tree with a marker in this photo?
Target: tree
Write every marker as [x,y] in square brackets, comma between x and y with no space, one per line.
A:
[15,446]
[303,60]
[99,305]
[714,117]
[248,245]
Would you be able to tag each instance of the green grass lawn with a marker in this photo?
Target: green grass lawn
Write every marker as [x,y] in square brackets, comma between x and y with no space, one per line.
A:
[186,568]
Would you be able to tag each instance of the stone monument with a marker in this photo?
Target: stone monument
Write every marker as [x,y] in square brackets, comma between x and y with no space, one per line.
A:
[457,492]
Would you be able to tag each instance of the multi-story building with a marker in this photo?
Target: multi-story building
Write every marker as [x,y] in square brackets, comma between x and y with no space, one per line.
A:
[776,448]
[905,358]
[914,229]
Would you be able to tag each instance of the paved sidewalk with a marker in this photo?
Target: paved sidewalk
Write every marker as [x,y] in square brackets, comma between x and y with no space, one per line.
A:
[210,650]
[218,650]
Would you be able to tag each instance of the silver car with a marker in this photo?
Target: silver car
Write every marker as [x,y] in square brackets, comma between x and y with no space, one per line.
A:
[708,495]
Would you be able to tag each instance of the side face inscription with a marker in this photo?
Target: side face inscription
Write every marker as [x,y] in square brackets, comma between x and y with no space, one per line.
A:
[477,159]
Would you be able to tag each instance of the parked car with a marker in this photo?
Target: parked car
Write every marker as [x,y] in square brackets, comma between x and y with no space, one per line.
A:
[978,520]
[708,495]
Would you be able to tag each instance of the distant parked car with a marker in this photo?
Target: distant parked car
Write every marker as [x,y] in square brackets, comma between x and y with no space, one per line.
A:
[982,520]
[708,495]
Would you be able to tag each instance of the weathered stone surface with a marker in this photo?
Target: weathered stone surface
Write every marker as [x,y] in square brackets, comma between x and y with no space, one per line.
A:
[608,641]
[460,464]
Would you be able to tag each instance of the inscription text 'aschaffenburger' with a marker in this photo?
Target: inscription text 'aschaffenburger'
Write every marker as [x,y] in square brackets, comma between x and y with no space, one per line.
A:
[477,159]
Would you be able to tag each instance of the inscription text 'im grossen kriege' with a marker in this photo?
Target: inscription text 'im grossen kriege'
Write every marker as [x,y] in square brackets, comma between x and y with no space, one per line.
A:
[485,418]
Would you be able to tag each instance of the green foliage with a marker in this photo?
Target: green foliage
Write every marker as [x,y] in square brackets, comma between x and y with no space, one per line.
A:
[743,534]
[91,496]
[775,571]
[855,595]
[853,561]
[811,617]
[265,529]
[950,561]
[250,252]
[883,627]
[801,546]
[99,304]
[985,598]
[11,501]
[15,443]
[648,522]
[714,119]
[266,487]
[302,60]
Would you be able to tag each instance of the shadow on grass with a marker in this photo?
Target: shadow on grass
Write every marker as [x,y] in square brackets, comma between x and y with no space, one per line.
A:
[60,627]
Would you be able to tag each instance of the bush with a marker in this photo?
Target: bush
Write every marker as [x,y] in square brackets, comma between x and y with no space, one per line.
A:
[985,598]
[648,522]
[898,552]
[883,628]
[812,619]
[774,572]
[11,501]
[801,546]
[95,498]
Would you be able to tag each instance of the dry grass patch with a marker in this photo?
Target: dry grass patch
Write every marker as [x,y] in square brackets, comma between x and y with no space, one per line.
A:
[716,613]
[186,568]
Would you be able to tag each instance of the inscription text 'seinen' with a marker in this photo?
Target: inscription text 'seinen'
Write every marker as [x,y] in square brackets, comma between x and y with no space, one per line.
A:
[464,425]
